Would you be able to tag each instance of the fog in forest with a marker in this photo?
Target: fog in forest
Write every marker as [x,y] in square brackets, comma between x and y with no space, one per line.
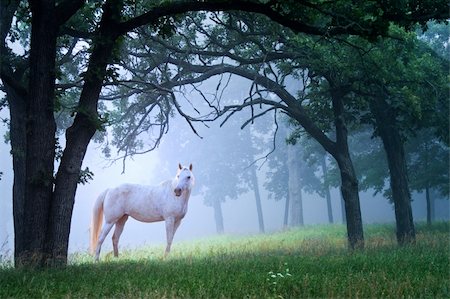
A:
[223,159]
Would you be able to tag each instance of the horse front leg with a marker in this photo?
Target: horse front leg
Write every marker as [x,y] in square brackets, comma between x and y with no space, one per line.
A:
[171,227]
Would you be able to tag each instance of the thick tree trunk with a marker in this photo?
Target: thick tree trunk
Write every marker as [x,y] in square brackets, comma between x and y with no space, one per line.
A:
[32,125]
[349,189]
[79,135]
[40,133]
[295,190]
[400,190]
[218,216]
[385,118]
[326,187]
[258,200]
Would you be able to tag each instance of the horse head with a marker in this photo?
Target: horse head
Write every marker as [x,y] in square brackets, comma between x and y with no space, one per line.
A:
[184,179]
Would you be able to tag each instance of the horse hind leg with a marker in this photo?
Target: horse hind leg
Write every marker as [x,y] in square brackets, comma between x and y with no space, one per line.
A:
[120,224]
[105,230]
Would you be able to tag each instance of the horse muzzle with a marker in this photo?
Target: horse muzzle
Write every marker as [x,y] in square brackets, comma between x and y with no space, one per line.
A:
[178,191]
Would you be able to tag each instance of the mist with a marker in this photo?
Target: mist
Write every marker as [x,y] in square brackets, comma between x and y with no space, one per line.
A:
[203,149]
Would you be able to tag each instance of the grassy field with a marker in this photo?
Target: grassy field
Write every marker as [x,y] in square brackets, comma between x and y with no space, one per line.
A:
[307,262]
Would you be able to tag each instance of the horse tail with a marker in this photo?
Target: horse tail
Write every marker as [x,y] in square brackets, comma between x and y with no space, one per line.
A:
[97,220]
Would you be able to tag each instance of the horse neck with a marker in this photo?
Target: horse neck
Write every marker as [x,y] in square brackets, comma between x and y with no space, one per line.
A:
[185,195]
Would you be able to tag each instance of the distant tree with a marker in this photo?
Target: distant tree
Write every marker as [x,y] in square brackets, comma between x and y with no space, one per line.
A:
[316,175]
[428,167]
[321,179]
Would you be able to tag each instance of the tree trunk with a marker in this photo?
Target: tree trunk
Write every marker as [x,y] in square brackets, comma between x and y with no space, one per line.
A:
[341,199]
[286,211]
[432,208]
[385,117]
[295,190]
[349,182]
[218,216]
[258,199]
[326,187]
[79,135]
[17,107]
[428,199]
[349,190]
[40,133]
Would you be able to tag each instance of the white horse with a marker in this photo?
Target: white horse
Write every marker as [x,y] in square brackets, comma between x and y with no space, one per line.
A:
[166,202]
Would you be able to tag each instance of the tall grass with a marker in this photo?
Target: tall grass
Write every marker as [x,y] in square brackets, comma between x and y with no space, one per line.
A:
[306,262]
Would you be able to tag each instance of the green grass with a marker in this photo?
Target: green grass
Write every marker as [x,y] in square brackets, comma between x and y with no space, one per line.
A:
[306,262]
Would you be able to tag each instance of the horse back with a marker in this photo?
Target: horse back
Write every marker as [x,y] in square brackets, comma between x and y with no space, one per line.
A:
[144,203]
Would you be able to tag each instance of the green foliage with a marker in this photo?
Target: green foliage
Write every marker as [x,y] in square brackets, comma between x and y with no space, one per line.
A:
[316,259]
[86,175]
[428,163]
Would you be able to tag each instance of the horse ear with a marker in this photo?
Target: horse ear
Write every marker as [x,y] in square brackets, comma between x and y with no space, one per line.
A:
[179,166]
[190,167]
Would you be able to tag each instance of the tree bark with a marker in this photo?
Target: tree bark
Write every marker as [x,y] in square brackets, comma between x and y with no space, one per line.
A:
[40,133]
[257,199]
[16,95]
[79,135]
[17,107]
[295,190]
[341,199]
[385,117]
[349,190]
[349,182]
[326,187]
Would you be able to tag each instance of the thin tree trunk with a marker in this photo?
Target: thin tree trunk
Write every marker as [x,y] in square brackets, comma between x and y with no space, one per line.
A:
[326,187]
[257,199]
[295,190]
[433,208]
[286,212]
[218,216]
[428,199]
